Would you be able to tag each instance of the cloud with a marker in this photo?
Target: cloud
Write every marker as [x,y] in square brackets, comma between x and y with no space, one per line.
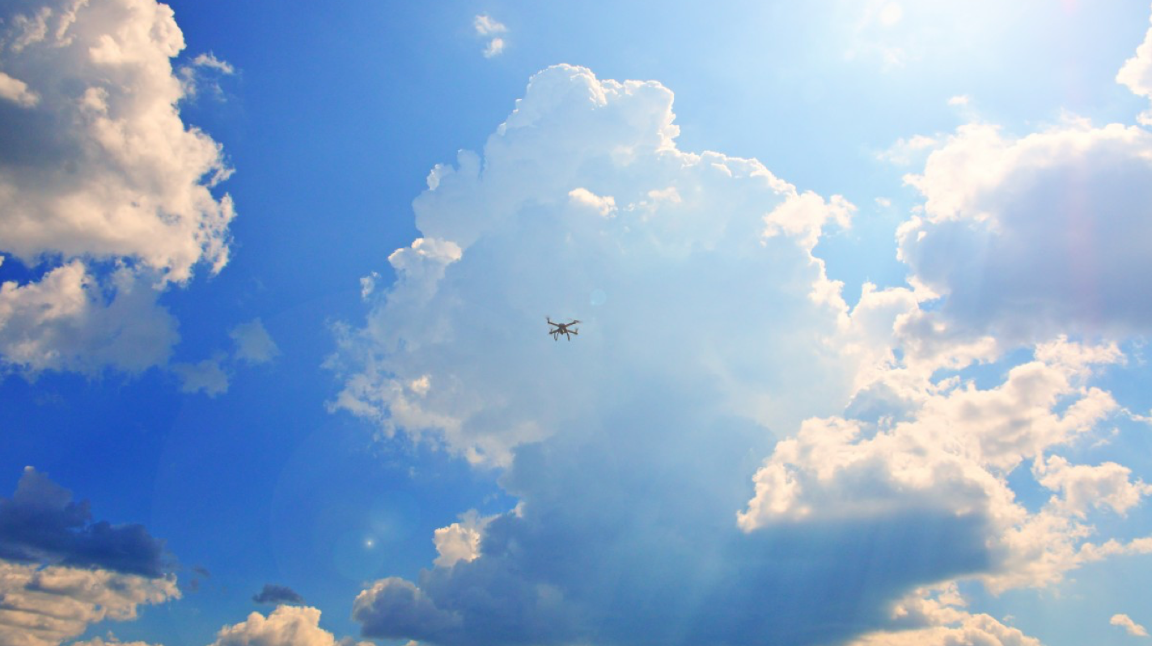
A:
[101,184]
[70,320]
[253,343]
[460,541]
[206,376]
[485,26]
[1136,74]
[936,617]
[1053,223]
[204,73]
[286,626]
[710,331]
[277,594]
[41,524]
[44,606]
[60,572]
[711,337]
[495,48]
[504,248]
[1125,622]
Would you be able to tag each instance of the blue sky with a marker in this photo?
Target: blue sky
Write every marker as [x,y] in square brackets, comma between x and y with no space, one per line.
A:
[862,352]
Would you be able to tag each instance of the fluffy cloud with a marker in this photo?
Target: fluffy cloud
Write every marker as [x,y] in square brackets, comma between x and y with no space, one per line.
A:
[707,325]
[711,337]
[527,238]
[1054,223]
[70,320]
[286,626]
[101,182]
[60,572]
[45,606]
[1136,74]
[41,523]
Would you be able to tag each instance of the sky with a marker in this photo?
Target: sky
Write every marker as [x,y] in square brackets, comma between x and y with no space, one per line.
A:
[862,344]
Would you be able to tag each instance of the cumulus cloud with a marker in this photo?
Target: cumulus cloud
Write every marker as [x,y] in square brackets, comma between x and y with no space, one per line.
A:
[277,594]
[1053,223]
[503,248]
[60,572]
[43,606]
[623,448]
[41,524]
[936,617]
[286,626]
[711,337]
[71,320]
[1131,627]
[1136,74]
[101,183]
[460,541]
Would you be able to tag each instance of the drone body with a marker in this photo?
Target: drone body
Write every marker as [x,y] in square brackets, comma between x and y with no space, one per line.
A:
[562,328]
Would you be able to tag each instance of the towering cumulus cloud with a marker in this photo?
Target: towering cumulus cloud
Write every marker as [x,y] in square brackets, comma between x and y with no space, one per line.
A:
[103,189]
[709,338]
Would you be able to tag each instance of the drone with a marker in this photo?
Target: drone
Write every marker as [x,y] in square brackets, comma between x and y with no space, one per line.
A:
[562,328]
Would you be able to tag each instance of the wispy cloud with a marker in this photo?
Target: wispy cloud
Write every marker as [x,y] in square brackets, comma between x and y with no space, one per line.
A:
[486,27]
[1131,627]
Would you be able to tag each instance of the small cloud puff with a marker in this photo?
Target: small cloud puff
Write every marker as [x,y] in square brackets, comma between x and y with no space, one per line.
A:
[1125,622]
[273,594]
[253,343]
[485,26]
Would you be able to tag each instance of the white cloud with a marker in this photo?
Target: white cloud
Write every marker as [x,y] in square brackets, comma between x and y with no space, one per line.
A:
[69,321]
[44,607]
[102,172]
[485,26]
[253,343]
[905,151]
[1084,486]
[285,626]
[937,618]
[1136,74]
[17,92]
[1125,622]
[492,264]
[603,206]
[1053,224]
[715,333]
[459,541]
[495,48]
[204,72]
